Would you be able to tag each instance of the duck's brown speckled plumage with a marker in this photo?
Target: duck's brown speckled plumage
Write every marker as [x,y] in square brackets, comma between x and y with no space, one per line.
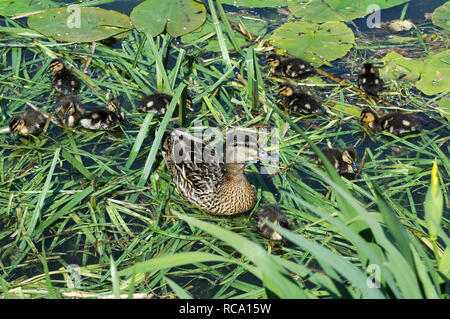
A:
[369,80]
[69,111]
[216,187]
[397,123]
[294,68]
[29,122]
[274,215]
[342,160]
[64,80]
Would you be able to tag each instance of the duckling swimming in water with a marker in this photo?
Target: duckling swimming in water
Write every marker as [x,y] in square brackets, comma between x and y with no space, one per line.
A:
[342,160]
[158,103]
[214,182]
[397,123]
[30,122]
[294,68]
[104,119]
[369,80]
[69,111]
[299,102]
[64,80]
[274,215]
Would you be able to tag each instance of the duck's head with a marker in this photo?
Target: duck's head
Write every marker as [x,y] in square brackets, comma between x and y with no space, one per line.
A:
[349,157]
[16,124]
[273,60]
[56,65]
[286,89]
[368,118]
[114,106]
[368,68]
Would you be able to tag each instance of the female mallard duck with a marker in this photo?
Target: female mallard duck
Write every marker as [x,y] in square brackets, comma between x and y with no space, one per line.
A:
[274,215]
[298,102]
[30,122]
[342,160]
[204,179]
[396,123]
[64,81]
[294,68]
[69,111]
[369,80]
[104,119]
[158,103]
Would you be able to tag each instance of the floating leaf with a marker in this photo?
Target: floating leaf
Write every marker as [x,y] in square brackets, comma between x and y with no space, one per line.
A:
[178,17]
[444,107]
[396,65]
[256,3]
[435,77]
[441,16]
[16,7]
[316,43]
[338,10]
[76,24]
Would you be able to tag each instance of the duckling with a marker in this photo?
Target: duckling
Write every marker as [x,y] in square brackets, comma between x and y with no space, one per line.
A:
[397,123]
[274,215]
[158,103]
[69,111]
[212,181]
[342,160]
[294,68]
[64,80]
[299,102]
[30,122]
[369,80]
[104,119]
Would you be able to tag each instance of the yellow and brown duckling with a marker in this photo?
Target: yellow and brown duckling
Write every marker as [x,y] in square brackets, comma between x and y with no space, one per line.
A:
[299,102]
[30,122]
[294,68]
[369,80]
[158,103]
[206,178]
[274,215]
[69,111]
[104,120]
[64,80]
[397,123]
[344,161]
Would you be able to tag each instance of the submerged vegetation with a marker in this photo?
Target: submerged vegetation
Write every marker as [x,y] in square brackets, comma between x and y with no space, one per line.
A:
[95,214]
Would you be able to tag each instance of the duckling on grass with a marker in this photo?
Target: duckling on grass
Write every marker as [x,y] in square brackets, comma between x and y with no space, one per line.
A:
[69,111]
[342,160]
[369,80]
[30,122]
[294,68]
[158,103]
[214,182]
[64,80]
[104,119]
[397,123]
[299,102]
[274,215]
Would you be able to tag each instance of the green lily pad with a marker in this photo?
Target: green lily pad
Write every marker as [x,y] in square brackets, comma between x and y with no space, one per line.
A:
[316,43]
[435,77]
[86,25]
[256,3]
[178,17]
[444,107]
[396,65]
[337,10]
[441,16]
[16,7]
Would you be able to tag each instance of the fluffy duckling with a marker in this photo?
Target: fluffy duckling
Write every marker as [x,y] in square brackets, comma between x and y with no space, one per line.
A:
[158,103]
[104,119]
[30,122]
[69,111]
[397,123]
[299,102]
[294,68]
[64,80]
[212,181]
[274,215]
[342,160]
[369,80]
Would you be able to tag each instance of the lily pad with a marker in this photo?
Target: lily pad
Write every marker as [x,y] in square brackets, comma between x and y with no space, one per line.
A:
[316,43]
[16,7]
[396,66]
[444,107]
[338,10]
[178,17]
[257,3]
[435,77]
[78,24]
[441,16]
